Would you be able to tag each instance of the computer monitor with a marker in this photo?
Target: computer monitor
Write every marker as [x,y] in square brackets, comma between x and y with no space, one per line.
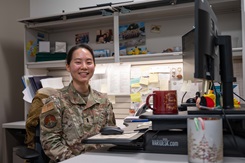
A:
[207,54]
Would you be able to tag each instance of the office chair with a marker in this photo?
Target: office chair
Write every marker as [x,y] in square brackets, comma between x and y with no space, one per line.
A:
[36,155]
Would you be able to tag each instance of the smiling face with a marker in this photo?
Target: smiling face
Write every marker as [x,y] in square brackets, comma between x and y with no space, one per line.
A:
[81,67]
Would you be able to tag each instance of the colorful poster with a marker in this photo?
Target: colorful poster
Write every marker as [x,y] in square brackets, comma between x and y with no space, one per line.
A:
[132,35]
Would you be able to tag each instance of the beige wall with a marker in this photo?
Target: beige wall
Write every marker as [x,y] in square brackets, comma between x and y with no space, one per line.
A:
[11,61]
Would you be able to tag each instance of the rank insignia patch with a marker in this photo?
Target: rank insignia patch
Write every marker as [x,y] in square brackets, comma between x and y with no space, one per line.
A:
[48,107]
[50,121]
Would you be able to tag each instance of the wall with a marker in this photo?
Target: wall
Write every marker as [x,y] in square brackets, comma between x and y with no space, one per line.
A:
[11,61]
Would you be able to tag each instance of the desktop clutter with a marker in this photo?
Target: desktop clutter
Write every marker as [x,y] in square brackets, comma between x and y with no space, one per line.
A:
[162,128]
[212,101]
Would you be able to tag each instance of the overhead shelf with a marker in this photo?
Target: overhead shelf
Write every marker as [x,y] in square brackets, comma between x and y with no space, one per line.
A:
[60,64]
[148,10]
[152,9]
[159,57]
[141,59]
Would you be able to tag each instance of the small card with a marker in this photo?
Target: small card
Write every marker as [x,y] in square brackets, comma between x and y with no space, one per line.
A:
[44,46]
[60,47]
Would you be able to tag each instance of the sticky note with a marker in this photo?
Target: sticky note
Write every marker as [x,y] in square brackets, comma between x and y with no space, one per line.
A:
[153,78]
[164,84]
[135,85]
[134,80]
[135,97]
[144,81]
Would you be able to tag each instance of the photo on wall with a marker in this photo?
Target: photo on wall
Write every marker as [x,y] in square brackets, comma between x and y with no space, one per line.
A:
[82,38]
[104,36]
[155,28]
[132,35]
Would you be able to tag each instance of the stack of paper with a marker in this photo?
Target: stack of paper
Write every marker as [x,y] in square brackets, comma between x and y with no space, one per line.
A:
[33,83]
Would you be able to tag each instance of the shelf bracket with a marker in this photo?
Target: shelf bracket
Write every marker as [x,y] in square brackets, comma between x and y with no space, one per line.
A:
[123,10]
[106,13]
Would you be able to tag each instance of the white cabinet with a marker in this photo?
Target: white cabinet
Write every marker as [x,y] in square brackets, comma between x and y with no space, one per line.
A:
[174,21]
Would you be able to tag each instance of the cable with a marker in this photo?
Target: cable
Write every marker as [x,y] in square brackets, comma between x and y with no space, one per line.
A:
[227,121]
[155,134]
[183,97]
[229,126]
[236,95]
[239,96]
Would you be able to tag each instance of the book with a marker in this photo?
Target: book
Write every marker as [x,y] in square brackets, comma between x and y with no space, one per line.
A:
[35,82]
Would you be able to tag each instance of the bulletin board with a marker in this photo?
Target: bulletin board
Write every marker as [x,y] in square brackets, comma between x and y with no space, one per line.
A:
[139,81]
[144,79]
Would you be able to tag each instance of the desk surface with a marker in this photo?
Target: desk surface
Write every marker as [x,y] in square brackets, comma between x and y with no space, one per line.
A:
[22,124]
[123,157]
[15,125]
[127,157]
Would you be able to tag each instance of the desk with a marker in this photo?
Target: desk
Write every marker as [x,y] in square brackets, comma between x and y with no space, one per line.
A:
[14,125]
[13,135]
[102,155]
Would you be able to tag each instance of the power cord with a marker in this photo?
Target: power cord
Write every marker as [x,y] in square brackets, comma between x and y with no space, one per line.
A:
[239,96]
[182,99]
[227,120]
[230,129]
[153,136]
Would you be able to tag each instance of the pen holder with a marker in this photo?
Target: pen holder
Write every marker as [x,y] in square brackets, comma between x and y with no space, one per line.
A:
[205,140]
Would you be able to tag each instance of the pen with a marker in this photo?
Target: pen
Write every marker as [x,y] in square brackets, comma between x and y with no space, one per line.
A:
[139,120]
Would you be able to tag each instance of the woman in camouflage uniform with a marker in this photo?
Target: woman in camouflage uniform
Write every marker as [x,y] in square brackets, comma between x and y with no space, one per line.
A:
[76,112]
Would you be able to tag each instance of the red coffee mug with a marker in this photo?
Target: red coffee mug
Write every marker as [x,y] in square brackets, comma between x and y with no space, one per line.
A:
[164,102]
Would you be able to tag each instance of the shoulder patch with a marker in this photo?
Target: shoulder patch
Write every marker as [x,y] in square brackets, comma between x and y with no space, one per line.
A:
[50,121]
[47,107]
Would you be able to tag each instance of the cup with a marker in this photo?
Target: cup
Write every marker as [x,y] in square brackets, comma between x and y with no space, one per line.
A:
[205,140]
[164,102]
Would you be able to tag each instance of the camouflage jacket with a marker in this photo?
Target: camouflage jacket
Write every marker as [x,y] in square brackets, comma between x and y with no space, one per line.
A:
[34,113]
[66,120]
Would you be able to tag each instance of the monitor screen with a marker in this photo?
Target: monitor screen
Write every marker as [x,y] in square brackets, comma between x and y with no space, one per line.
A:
[207,55]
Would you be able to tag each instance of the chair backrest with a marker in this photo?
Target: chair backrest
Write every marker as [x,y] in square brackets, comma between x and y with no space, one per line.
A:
[43,158]
[35,155]
[33,137]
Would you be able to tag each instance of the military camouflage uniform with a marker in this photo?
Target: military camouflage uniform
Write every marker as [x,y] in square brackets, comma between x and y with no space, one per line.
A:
[66,120]
[34,113]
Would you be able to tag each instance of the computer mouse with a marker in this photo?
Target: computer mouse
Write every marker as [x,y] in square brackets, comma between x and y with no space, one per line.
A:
[191,100]
[111,130]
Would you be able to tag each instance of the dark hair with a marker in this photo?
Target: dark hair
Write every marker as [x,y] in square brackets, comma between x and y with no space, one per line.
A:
[74,48]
